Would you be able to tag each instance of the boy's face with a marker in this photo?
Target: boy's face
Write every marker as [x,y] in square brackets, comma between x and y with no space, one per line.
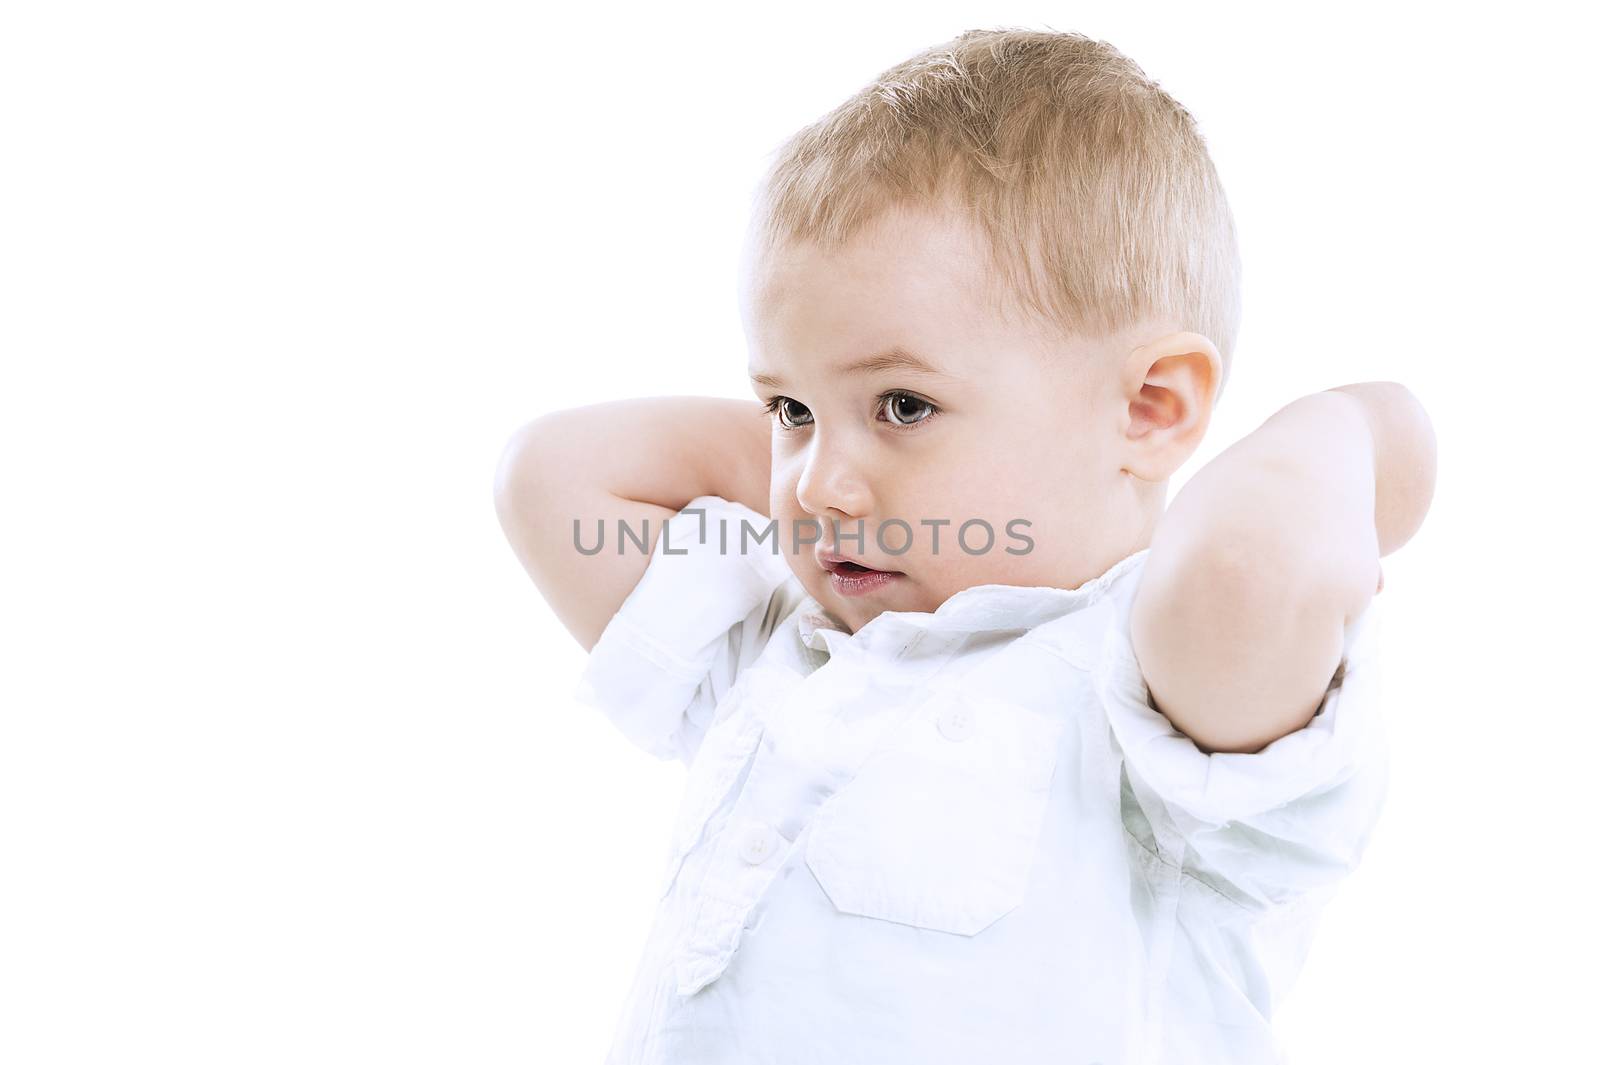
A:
[1011,428]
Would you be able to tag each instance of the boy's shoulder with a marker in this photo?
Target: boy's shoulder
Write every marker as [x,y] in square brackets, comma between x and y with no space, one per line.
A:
[701,614]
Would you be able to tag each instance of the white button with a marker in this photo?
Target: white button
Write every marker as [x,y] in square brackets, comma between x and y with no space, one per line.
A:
[955,722]
[758,844]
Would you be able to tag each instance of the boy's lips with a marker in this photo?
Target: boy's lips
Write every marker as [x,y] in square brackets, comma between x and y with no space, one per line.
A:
[851,578]
[836,563]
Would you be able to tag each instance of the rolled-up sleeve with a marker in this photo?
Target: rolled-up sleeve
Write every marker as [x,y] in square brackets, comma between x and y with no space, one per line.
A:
[1264,828]
[701,613]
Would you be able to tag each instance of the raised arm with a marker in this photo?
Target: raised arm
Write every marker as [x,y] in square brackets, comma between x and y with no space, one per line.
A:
[630,460]
[1267,553]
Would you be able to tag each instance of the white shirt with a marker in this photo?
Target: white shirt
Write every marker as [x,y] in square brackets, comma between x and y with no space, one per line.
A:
[960,836]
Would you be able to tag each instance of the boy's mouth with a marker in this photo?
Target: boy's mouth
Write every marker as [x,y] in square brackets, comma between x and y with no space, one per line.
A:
[851,578]
[840,564]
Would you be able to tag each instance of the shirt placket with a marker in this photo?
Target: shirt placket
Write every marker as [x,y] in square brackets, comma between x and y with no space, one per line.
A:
[753,844]
[723,756]
[781,795]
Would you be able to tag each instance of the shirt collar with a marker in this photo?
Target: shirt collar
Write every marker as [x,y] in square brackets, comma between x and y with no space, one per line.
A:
[981,608]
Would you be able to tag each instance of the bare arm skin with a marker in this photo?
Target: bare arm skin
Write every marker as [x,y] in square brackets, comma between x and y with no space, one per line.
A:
[1266,554]
[631,460]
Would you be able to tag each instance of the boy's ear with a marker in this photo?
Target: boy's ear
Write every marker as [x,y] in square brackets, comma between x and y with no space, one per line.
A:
[1170,385]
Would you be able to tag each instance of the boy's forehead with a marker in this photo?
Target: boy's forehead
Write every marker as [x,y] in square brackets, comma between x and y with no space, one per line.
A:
[913,286]
[919,248]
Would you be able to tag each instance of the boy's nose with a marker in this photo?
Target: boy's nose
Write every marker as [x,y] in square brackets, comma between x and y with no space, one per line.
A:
[831,486]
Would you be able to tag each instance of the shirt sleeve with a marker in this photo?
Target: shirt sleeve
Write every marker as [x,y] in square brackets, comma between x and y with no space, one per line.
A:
[701,613]
[1264,828]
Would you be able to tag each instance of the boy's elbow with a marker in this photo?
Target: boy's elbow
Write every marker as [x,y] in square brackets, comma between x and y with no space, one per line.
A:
[1413,468]
[1407,455]
[516,473]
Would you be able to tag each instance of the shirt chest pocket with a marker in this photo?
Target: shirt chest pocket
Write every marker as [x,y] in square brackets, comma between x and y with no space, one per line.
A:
[939,828]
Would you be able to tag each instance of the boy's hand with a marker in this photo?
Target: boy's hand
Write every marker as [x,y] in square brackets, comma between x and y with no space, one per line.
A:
[1266,554]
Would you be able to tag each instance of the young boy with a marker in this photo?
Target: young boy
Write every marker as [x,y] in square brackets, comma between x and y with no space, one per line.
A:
[992,756]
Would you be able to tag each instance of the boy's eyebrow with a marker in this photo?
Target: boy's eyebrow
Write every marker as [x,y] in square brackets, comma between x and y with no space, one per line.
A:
[895,358]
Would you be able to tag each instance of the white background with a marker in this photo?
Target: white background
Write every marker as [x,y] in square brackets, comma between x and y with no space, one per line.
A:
[290,768]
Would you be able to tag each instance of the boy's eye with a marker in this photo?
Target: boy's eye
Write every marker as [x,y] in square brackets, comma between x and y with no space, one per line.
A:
[777,405]
[902,410]
[898,403]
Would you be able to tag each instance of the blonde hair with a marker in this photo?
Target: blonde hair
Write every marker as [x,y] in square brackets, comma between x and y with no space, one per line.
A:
[1091,185]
